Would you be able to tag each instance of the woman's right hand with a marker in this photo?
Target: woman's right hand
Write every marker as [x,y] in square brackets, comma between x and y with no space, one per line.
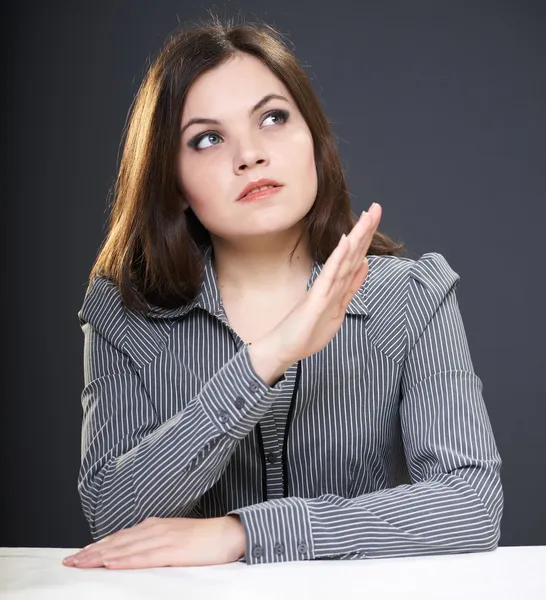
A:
[314,321]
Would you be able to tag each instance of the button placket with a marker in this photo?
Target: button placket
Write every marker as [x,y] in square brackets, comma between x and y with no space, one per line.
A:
[272,458]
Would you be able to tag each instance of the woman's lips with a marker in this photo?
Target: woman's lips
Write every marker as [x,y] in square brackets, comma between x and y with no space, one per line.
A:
[262,194]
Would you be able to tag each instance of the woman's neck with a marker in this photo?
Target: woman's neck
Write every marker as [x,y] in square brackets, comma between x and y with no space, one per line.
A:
[255,270]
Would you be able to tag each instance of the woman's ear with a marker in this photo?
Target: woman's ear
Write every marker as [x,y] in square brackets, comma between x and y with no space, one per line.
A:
[183,200]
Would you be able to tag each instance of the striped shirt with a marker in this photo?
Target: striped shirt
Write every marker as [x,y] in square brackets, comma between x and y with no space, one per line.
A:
[379,445]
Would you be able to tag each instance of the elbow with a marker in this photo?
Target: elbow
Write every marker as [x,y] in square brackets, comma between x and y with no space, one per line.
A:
[105,521]
[106,507]
[496,520]
[491,535]
[483,488]
[109,510]
[88,502]
[480,534]
[493,505]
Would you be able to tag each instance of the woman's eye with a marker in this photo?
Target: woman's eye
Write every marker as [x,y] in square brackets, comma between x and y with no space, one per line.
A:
[196,142]
[276,113]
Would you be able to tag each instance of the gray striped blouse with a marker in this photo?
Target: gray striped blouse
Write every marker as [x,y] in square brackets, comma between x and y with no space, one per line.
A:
[379,445]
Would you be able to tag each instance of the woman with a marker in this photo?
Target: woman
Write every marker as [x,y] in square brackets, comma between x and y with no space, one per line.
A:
[266,378]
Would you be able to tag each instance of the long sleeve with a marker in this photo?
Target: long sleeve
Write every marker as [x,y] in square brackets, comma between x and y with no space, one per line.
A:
[455,501]
[132,465]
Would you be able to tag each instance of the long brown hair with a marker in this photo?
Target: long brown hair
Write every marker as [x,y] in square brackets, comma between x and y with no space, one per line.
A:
[153,249]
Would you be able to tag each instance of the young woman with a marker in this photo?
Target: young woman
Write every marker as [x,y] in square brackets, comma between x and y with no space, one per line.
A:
[266,377]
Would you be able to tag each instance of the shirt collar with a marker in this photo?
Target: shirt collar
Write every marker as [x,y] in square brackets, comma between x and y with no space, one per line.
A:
[208,297]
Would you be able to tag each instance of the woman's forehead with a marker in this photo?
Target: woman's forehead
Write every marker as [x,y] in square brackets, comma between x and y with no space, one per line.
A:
[234,86]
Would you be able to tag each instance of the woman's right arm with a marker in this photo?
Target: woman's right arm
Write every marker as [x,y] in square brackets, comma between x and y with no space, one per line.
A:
[132,465]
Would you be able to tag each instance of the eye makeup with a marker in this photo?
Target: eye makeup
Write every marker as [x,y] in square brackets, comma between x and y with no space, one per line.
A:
[195,141]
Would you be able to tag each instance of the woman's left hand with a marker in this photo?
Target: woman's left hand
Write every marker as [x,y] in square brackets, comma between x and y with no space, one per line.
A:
[158,542]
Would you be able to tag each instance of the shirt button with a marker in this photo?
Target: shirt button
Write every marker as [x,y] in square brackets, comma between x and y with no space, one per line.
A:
[239,402]
[272,458]
[302,548]
[253,386]
[222,416]
[257,551]
[279,549]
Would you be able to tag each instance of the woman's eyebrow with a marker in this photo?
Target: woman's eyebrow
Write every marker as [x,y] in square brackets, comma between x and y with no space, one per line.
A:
[257,106]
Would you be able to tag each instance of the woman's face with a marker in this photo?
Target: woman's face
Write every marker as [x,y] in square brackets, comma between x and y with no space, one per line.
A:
[216,161]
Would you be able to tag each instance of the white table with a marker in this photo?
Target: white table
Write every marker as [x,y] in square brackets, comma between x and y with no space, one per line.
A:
[507,572]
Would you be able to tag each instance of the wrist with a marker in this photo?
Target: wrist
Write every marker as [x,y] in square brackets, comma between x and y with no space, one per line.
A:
[277,348]
[267,359]
[236,537]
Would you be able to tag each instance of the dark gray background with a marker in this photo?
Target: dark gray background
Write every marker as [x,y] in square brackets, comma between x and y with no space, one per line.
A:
[439,109]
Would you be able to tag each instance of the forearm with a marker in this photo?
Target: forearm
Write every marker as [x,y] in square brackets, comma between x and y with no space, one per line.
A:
[177,461]
[164,475]
[443,515]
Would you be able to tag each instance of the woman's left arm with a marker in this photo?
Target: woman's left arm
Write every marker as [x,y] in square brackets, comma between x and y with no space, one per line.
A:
[455,501]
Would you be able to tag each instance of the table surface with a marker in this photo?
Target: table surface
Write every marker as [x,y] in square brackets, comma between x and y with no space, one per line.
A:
[517,572]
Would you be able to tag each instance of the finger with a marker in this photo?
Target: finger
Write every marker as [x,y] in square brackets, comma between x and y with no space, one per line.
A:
[325,281]
[90,561]
[106,553]
[338,265]
[355,239]
[356,283]
[371,223]
[359,268]
[355,260]
[122,537]
[361,240]
[161,556]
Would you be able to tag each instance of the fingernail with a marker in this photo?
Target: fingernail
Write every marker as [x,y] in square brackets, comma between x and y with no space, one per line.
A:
[371,206]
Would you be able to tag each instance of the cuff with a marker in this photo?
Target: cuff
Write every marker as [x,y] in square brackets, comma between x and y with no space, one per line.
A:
[277,531]
[236,398]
